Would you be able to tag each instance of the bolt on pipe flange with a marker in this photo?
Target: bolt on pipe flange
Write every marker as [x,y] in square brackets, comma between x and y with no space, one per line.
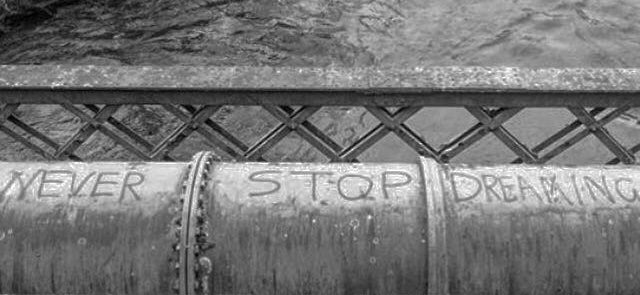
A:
[194,268]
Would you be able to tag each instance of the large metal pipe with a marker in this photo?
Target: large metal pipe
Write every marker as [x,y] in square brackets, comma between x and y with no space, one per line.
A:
[284,228]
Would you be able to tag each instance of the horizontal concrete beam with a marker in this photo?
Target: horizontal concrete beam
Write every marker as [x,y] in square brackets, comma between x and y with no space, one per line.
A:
[394,80]
[209,227]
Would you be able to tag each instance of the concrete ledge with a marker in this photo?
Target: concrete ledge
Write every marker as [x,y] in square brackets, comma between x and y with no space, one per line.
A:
[395,80]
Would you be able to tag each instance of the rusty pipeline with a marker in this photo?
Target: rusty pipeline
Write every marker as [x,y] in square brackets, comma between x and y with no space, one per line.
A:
[210,227]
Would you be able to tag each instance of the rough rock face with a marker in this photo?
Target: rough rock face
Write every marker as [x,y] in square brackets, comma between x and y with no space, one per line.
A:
[526,33]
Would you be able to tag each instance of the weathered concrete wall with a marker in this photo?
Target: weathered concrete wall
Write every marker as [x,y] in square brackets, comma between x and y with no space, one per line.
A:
[291,228]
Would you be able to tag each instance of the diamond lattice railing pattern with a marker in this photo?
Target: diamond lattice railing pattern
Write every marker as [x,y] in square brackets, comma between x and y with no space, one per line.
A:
[258,114]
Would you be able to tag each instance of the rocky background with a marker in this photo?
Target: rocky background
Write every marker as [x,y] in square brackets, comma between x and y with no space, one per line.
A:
[398,33]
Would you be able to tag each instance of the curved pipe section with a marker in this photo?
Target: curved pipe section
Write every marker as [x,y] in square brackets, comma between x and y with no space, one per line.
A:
[291,228]
[521,229]
[89,228]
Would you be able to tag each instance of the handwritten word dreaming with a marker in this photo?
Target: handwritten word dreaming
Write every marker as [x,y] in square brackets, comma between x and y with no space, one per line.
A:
[572,189]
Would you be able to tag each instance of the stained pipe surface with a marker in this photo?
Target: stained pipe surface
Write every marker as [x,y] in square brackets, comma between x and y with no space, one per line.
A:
[291,228]
[284,228]
[78,228]
[518,229]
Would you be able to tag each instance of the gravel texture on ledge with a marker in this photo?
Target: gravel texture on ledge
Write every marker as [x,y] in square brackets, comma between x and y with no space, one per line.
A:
[294,78]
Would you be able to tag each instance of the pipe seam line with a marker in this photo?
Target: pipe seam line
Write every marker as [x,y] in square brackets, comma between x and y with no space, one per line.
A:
[195,267]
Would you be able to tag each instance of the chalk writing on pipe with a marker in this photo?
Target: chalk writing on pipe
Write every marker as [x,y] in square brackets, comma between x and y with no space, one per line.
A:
[566,188]
[349,186]
[60,183]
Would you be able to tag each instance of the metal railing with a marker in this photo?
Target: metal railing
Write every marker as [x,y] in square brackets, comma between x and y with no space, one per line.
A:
[192,98]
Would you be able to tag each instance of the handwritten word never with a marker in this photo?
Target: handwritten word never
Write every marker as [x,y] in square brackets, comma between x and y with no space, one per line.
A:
[67,183]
